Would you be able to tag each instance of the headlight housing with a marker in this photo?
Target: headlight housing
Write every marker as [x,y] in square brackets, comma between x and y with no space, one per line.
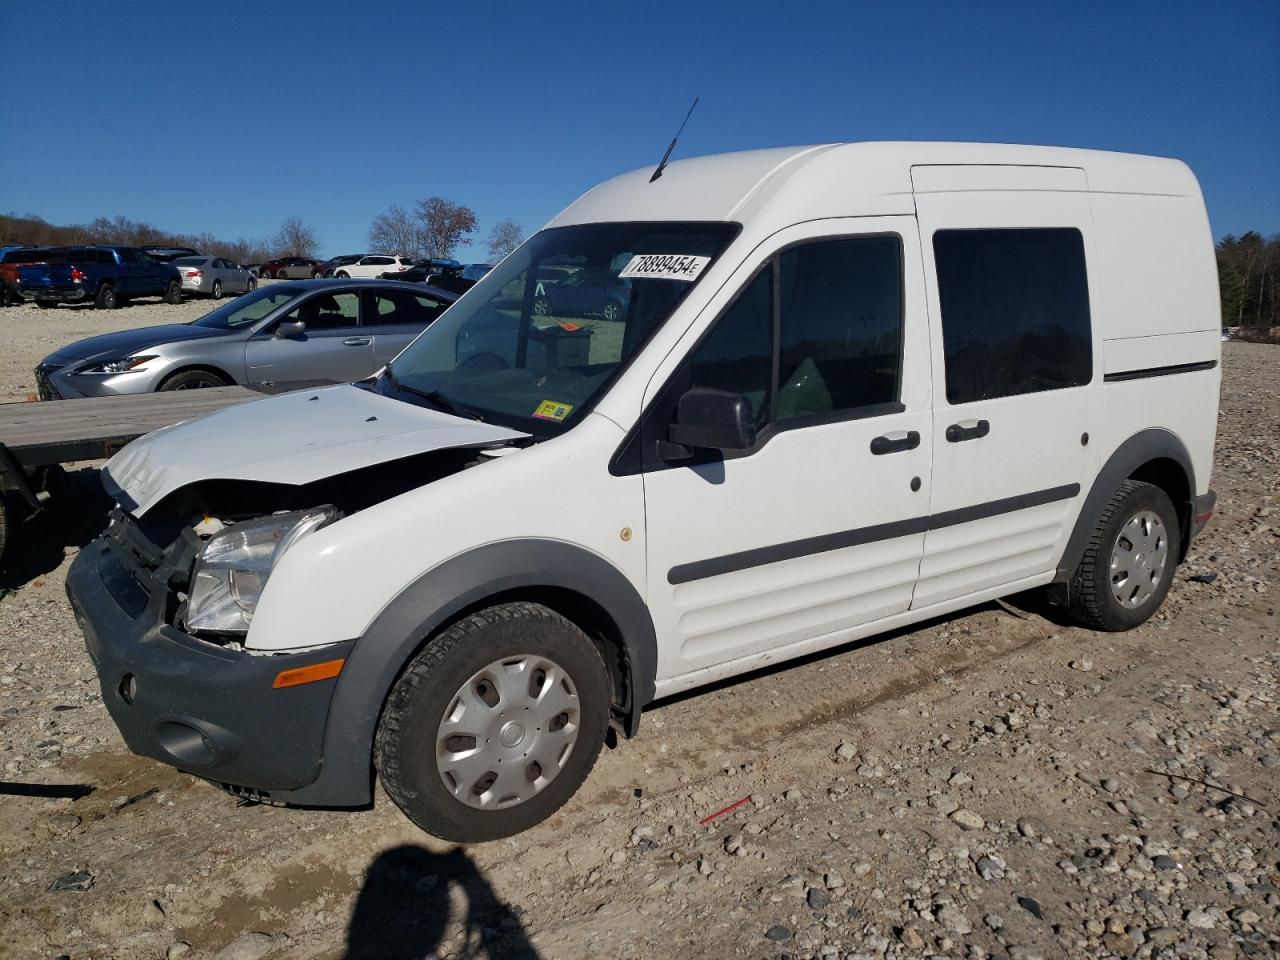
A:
[119,365]
[233,566]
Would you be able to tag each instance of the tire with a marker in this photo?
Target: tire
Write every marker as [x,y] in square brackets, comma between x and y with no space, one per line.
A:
[1115,587]
[7,298]
[612,310]
[541,306]
[105,298]
[252,285]
[173,292]
[193,380]
[460,661]
[342,275]
[217,290]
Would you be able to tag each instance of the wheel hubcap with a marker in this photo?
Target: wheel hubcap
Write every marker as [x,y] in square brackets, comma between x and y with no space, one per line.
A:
[508,732]
[1138,559]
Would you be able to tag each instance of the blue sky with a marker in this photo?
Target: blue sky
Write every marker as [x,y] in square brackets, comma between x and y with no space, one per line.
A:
[229,121]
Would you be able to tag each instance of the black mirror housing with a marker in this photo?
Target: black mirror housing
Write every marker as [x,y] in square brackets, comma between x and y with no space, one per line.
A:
[709,419]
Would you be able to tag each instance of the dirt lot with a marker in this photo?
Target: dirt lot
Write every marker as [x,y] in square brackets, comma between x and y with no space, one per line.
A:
[991,784]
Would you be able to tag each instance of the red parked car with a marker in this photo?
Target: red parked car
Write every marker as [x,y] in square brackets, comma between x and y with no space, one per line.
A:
[288,268]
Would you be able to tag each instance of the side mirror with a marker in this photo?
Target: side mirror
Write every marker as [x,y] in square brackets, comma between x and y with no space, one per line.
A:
[289,328]
[708,419]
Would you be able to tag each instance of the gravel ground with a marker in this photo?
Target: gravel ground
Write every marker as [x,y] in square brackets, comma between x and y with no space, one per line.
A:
[992,784]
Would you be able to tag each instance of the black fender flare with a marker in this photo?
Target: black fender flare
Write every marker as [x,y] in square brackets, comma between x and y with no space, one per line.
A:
[437,597]
[1128,458]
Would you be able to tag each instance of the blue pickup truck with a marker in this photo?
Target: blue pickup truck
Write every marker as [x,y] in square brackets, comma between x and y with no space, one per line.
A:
[106,276]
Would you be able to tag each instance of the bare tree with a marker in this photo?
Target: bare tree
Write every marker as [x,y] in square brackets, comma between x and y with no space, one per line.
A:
[396,232]
[295,239]
[505,236]
[444,225]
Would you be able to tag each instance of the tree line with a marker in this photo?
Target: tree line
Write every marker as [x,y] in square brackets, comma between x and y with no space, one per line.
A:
[435,227]
[1249,281]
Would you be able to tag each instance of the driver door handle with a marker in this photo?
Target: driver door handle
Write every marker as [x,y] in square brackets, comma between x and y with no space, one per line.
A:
[357,342]
[894,442]
[967,430]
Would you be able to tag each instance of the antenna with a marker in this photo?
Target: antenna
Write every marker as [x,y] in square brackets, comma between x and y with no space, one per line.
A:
[663,164]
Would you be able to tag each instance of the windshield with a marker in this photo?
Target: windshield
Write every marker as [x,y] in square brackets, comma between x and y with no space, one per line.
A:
[536,341]
[249,309]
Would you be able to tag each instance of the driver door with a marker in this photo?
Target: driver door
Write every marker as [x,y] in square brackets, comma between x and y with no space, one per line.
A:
[818,528]
[333,345]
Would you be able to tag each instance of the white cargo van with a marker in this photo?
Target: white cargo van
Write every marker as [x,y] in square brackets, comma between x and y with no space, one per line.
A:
[763,405]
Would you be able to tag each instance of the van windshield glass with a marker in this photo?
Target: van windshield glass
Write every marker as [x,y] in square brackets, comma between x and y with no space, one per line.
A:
[538,339]
[249,309]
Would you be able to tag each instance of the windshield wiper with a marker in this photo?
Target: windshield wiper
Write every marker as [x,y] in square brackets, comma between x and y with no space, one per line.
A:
[438,399]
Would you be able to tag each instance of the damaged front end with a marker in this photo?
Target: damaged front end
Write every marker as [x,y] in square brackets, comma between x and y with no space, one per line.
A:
[166,597]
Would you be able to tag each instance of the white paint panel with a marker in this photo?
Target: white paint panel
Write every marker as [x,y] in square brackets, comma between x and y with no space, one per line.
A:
[951,177]
[1155,270]
[1142,353]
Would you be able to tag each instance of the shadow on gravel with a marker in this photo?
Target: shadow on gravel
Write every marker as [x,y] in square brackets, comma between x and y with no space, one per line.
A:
[404,906]
[73,516]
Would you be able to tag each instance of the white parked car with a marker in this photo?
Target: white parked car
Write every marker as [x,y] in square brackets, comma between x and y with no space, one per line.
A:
[853,387]
[373,265]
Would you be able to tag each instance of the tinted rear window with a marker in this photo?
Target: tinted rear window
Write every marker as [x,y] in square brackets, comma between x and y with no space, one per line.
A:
[1015,311]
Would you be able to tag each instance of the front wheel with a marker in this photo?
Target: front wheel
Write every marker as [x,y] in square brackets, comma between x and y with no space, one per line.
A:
[217,290]
[173,292]
[342,275]
[495,724]
[1129,561]
[193,380]
[252,285]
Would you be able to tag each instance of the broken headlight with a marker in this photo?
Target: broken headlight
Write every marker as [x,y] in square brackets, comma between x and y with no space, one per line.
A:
[233,566]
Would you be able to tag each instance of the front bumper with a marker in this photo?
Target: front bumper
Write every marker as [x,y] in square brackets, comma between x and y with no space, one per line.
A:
[203,708]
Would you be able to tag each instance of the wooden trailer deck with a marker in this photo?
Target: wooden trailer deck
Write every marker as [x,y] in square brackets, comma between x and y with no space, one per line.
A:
[60,431]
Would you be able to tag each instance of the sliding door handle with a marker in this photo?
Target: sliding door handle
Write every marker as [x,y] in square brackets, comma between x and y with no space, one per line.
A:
[967,430]
[893,442]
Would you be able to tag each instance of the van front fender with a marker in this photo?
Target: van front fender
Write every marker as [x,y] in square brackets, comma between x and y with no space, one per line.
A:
[433,600]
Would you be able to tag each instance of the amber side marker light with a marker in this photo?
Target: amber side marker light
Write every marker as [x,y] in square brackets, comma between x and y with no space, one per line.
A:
[300,675]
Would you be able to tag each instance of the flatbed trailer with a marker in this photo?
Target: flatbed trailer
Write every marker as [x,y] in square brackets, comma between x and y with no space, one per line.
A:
[36,438]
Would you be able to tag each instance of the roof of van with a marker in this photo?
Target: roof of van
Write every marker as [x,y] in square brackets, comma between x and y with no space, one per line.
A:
[793,184]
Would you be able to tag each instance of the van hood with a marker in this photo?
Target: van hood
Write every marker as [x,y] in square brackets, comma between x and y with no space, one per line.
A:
[294,438]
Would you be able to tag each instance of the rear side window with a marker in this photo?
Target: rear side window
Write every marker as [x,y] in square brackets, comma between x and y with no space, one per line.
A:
[840,326]
[1015,311]
[400,307]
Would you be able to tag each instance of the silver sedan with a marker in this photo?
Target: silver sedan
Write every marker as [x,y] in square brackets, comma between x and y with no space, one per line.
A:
[213,276]
[335,330]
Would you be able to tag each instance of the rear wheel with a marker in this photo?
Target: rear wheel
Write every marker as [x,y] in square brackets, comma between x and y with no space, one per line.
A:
[173,292]
[252,285]
[494,724]
[217,290]
[342,275]
[1129,561]
[105,299]
[193,380]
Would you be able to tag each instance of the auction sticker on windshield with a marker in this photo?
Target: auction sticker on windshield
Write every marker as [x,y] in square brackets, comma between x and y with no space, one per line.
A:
[552,410]
[663,266]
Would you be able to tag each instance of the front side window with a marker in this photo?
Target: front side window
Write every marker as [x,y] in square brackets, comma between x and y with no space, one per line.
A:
[737,355]
[327,311]
[1015,311]
[840,326]
[528,348]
